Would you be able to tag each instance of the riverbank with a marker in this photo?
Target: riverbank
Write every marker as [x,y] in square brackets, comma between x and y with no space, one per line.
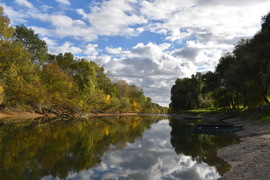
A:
[249,159]
[20,115]
[17,115]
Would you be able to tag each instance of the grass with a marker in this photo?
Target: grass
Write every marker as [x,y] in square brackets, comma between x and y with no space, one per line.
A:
[259,114]
[206,110]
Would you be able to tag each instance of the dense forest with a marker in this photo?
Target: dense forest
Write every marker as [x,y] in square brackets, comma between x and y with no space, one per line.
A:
[32,79]
[241,79]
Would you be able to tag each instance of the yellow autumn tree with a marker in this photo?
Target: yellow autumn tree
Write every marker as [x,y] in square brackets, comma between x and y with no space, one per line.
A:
[6,31]
[1,94]
[60,87]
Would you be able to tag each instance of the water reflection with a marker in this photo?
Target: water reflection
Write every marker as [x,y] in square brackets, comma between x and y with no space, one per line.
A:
[35,150]
[108,148]
[201,147]
[151,157]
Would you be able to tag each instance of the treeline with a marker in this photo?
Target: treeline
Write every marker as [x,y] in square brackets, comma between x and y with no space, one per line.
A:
[33,79]
[241,78]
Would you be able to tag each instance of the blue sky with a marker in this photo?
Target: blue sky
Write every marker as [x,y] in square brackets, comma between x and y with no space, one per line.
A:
[149,43]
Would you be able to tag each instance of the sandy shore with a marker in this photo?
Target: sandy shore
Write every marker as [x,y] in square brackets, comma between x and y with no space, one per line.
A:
[20,116]
[251,158]
[17,115]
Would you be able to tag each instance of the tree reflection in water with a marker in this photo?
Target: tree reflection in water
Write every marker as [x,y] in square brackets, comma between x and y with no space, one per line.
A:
[108,147]
[201,147]
[34,150]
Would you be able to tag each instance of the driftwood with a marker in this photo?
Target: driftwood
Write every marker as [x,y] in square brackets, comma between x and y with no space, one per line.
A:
[47,112]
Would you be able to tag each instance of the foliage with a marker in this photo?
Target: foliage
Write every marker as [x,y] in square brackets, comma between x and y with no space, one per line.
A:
[30,77]
[241,78]
[6,31]
[31,42]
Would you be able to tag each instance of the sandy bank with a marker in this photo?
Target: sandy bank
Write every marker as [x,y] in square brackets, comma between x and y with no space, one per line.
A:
[17,115]
[249,159]
[20,116]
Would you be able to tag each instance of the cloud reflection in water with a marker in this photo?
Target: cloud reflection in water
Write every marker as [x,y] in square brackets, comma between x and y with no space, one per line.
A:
[151,157]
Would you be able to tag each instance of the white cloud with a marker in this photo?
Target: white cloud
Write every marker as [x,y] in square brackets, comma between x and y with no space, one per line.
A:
[115,17]
[45,8]
[152,66]
[24,3]
[117,51]
[91,50]
[82,13]
[66,47]
[65,26]
[42,31]
[219,18]
[65,2]
[14,16]
[49,41]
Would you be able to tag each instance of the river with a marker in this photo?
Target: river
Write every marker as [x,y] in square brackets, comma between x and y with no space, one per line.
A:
[130,147]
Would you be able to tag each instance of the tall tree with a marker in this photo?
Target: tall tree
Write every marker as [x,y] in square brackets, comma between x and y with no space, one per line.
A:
[32,43]
[20,84]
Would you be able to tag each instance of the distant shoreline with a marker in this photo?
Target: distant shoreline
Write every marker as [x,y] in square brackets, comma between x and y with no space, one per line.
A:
[22,115]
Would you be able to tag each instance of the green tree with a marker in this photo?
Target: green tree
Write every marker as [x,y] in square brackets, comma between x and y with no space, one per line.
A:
[186,93]
[32,43]
[65,61]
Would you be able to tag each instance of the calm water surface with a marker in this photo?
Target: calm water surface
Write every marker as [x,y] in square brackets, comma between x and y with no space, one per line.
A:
[146,147]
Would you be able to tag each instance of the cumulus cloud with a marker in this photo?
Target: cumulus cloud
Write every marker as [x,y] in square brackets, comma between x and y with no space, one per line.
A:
[64,26]
[151,66]
[66,47]
[226,19]
[115,17]
[91,50]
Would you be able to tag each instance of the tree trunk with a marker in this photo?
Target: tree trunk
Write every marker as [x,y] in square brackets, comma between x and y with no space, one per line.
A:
[266,100]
